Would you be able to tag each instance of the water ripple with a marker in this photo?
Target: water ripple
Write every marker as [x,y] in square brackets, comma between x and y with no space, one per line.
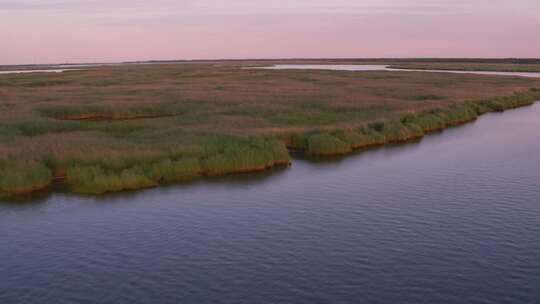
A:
[452,219]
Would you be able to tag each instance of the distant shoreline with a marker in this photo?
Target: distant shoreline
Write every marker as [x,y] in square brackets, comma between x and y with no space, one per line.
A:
[389,61]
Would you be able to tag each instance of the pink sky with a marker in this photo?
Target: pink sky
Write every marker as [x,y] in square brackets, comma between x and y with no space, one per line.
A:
[49,31]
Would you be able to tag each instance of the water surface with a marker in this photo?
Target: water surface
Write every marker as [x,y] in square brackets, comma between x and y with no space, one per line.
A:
[357,67]
[33,71]
[452,219]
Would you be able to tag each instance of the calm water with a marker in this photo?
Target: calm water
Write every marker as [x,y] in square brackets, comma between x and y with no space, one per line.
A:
[357,67]
[452,219]
[31,71]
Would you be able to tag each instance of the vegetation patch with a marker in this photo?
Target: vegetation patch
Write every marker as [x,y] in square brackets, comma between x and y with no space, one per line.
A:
[100,112]
[427,121]
[91,129]
[325,144]
[95,180]
[23,176]
[167,171]
[232,156]
[426,97]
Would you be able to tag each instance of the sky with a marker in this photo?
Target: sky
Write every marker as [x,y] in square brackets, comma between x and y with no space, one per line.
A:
[70,31]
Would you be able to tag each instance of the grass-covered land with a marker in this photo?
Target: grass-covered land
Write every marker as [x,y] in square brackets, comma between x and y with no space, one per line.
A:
[129,127]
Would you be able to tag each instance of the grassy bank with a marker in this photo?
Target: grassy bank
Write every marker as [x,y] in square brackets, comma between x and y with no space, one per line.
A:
[408,127]
[120,128]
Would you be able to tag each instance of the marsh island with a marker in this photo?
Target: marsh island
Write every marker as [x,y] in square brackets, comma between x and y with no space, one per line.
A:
[113,128]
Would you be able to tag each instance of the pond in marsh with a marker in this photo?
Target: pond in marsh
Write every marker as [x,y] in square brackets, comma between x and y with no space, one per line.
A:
[454,218]
[367,67]
[31,71]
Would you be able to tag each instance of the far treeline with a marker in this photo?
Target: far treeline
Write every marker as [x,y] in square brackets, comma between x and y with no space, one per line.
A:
[128,127]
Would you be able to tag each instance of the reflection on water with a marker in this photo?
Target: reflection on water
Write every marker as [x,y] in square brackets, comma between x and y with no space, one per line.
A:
[453,218]
[34,71]
[386,68]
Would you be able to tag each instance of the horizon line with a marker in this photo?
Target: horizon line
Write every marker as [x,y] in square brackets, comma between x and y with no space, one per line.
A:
[149,61]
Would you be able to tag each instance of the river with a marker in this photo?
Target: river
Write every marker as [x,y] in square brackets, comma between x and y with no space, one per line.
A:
[454,218]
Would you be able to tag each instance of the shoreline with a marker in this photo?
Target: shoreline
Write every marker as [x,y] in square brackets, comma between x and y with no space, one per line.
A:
[264,154]
[411,127]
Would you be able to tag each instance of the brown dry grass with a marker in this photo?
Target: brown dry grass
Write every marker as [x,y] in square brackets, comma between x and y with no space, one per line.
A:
[191,102]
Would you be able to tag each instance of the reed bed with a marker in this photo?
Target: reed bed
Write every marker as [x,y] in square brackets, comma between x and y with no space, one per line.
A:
[409,127]
[125,128]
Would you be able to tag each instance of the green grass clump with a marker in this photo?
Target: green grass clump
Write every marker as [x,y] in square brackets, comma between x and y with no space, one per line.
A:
[96,174]
[278,151]
[415,131]
[426,97]
[458,114]
[481,108]
[393,131]
[219,164]
[23,176]
[43,126]
[95,180]
[324,144]
[372,137]
[499,104]
[494,105]
[361,138]
[427,121]
[9,133]
[520,99]
[175,171]
[299,142]
[232,155]
[353,138]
